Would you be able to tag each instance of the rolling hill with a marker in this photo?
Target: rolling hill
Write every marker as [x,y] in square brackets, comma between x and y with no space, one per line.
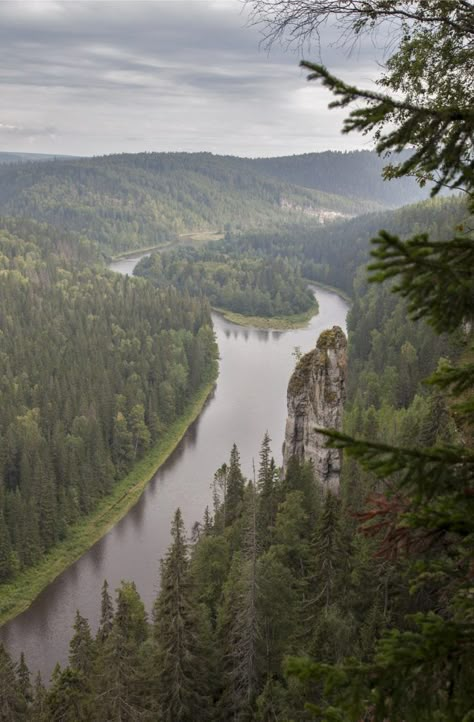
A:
[138,200]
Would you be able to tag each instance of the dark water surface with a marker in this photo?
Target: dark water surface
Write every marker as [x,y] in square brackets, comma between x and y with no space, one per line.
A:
[249,398]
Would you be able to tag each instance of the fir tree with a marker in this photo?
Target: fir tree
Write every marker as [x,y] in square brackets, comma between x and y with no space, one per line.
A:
[106,613]
[235,487]
[182,691]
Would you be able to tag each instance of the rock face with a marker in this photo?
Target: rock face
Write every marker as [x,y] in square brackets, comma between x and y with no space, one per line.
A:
[316,394]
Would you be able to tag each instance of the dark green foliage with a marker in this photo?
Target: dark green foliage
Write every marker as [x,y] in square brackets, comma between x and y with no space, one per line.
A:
[333,253]
[182,668]
[420,514]
[95,366]
[134,201]
[435,277]
[243,285]
[334,172]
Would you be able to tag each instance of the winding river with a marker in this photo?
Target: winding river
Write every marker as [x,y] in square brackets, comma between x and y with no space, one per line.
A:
[249,398]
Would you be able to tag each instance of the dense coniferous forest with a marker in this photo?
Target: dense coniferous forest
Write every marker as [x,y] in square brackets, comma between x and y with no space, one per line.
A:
[275,569]
[95,366]
[134,201]
[248,286]
[319,250]
[137,201]
[286,603]
[334,172]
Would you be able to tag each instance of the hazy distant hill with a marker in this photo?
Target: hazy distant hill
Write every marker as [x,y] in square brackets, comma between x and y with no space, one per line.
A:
[130,201]
[353,174]
[8,157]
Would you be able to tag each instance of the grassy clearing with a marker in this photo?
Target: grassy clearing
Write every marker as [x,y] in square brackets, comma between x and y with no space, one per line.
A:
[197,238]
[274,323]
[17,595]
[200,237]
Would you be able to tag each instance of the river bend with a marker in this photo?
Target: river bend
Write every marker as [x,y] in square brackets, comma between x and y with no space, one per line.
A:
[249,398]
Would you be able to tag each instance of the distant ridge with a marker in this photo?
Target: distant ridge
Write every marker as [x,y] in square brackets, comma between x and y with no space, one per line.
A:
[12,157]
[128,201]
[353,174]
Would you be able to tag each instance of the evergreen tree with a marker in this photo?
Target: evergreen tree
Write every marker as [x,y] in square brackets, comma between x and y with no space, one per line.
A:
[106,613]
[267,497]
[182,684]
[81,647]
[12,701]
[240,623]
[235,487]
[24,682]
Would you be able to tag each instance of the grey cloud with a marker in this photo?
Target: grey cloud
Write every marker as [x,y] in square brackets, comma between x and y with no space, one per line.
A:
[124,75]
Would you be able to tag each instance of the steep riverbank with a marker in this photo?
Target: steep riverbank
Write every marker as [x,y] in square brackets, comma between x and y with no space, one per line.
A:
[17,596]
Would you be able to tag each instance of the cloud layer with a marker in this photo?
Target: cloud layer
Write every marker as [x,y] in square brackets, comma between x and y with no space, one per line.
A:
[100,76]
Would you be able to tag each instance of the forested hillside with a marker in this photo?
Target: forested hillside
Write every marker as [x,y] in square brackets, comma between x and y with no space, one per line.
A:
[136,201]
[11,157]
[95,367]
[248,286]
[320,250]
[353,174]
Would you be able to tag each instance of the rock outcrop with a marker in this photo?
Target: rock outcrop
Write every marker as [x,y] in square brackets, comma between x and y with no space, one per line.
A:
[316,395]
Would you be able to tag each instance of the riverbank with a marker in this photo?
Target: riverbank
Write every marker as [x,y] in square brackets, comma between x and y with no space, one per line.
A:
[16,596]
[273,323]
[195,238]
[139,251]
[332,289]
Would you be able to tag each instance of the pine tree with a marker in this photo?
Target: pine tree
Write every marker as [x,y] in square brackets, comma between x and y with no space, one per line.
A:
[267,497]
[235,488]
[240,624]
[38,708]
[120,692]
[106,614]
[182,692]
[81,647]
[23,674]
[12,702]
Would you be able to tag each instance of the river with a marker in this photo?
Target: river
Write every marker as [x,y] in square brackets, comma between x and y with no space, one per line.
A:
[249,398]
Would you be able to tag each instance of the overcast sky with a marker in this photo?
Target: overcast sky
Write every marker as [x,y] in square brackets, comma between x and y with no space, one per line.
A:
[88,77]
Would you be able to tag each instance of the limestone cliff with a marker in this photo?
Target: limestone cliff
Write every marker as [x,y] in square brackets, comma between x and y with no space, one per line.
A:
[316,395]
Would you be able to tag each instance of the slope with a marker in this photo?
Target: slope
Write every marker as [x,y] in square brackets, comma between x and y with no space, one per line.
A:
[132,201]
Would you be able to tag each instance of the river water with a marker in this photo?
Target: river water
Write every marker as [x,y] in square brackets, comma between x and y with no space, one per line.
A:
[249,398]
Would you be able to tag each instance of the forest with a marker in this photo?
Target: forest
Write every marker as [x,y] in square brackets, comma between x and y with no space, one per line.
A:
[275,570]
[284,603]
[95,367]
[137,201]
[248,286]
[318,250]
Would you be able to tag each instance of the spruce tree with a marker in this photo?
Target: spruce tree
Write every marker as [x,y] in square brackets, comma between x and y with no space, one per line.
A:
[82,647]
[235,488]
[182,692]
[106,613]
[13,705]
[239,623]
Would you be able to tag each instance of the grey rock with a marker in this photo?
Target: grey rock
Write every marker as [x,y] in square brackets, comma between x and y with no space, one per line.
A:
[316,394]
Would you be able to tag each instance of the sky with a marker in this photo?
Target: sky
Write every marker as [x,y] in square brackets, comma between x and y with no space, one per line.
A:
[91,77]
